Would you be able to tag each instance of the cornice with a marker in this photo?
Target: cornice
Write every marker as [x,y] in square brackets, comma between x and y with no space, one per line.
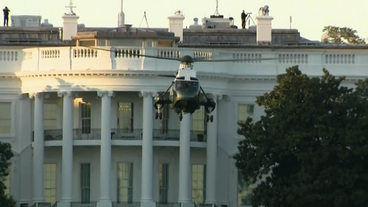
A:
[104,73]
[8,75]
[145,73]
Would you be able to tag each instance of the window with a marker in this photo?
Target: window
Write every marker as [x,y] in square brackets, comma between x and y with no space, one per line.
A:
[125,182]
[164,182]
[164,124]
[244,191]
[198,184]
[245,111]
[6,182]
[50,183]
[5,118]
[85,109]
[125,117]
[199,123]
[50,116]
[85,182]
[23,23]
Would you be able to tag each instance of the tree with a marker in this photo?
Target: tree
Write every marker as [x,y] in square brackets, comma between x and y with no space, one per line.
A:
[5,155]
[340,35]
[311,147]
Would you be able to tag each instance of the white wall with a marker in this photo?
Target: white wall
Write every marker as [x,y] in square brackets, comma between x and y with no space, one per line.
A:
[238,82]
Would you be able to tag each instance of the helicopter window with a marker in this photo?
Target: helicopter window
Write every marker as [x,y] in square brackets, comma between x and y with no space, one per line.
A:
[180,78]
[186,85]
[192,78]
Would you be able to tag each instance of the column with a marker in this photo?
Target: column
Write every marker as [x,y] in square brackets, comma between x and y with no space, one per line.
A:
[185,168]
[38,148]
[147,151]
[105,163]
[211,165]
[67,150]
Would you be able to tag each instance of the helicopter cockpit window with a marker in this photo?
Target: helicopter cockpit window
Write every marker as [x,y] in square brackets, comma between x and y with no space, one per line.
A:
[187,87]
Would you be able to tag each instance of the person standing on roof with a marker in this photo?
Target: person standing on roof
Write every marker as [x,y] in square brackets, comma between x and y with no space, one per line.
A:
[6,16]
[243,17]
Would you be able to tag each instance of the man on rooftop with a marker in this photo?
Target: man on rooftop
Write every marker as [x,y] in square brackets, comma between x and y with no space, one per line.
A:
[6,16]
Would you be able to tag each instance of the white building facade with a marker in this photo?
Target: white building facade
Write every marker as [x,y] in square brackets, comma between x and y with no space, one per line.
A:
[82,128]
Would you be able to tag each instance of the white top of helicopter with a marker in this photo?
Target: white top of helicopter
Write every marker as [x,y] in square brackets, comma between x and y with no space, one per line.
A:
[186,74]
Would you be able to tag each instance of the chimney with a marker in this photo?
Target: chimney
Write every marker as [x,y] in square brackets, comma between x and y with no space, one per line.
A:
[264,26]
[176,24]
[70,23]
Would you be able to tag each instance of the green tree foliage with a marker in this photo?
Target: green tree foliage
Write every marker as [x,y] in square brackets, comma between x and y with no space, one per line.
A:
[5,155]
[311,143]
[339,35]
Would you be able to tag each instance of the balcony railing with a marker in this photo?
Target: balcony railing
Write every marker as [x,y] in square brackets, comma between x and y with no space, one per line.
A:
[123,134]
[168,204]
[39,60]
[80,204]
[126,204]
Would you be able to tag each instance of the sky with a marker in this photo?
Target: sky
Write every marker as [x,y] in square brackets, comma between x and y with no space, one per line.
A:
[308,16]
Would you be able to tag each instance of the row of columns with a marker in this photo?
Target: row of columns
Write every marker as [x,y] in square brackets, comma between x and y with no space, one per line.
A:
[147,152]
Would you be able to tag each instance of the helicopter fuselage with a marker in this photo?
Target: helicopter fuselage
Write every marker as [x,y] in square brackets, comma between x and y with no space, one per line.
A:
[185,95]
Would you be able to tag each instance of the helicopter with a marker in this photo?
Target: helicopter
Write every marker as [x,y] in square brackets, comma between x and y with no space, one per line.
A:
[185,95]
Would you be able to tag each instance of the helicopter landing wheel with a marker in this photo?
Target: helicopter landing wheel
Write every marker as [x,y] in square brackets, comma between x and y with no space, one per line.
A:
[207,118]
[160,115]
[156,116]
[211,118]
[180,117]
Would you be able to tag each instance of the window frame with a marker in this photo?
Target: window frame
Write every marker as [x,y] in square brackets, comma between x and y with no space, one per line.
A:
[237,190]
[57,118]
[132,188]
[56,179]
[204,182]
[131,127]
[204,121]
[236,114]
[81,118]
[80,183]
[166,189]
[12,119]
[165,121]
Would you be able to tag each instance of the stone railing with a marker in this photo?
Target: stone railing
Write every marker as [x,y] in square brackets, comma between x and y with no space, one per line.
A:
[126,204]
[81,204]
[119,134]
[246,61]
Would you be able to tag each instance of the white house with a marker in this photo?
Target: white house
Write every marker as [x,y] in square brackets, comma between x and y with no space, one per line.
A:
[81,120]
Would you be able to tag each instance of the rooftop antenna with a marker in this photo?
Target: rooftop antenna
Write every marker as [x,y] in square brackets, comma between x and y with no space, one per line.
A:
[291,21]
[144,18]
[70,6]
[216,11]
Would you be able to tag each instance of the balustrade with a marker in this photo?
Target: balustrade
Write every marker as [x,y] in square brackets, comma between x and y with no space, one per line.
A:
[81,204]
[128,58]
[121,134]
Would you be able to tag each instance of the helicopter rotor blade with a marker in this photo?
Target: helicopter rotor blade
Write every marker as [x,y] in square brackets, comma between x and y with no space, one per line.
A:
[167,76]
[231,60]
[136,54]
[180,59]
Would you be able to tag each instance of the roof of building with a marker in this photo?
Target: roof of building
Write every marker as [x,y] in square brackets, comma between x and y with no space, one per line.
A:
[32,36]
[126,32]
[203,38]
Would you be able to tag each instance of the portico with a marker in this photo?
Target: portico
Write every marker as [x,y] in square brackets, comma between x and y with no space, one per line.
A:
[148,140]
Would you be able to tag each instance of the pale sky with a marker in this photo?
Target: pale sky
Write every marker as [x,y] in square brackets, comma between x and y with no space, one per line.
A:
[308,16]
